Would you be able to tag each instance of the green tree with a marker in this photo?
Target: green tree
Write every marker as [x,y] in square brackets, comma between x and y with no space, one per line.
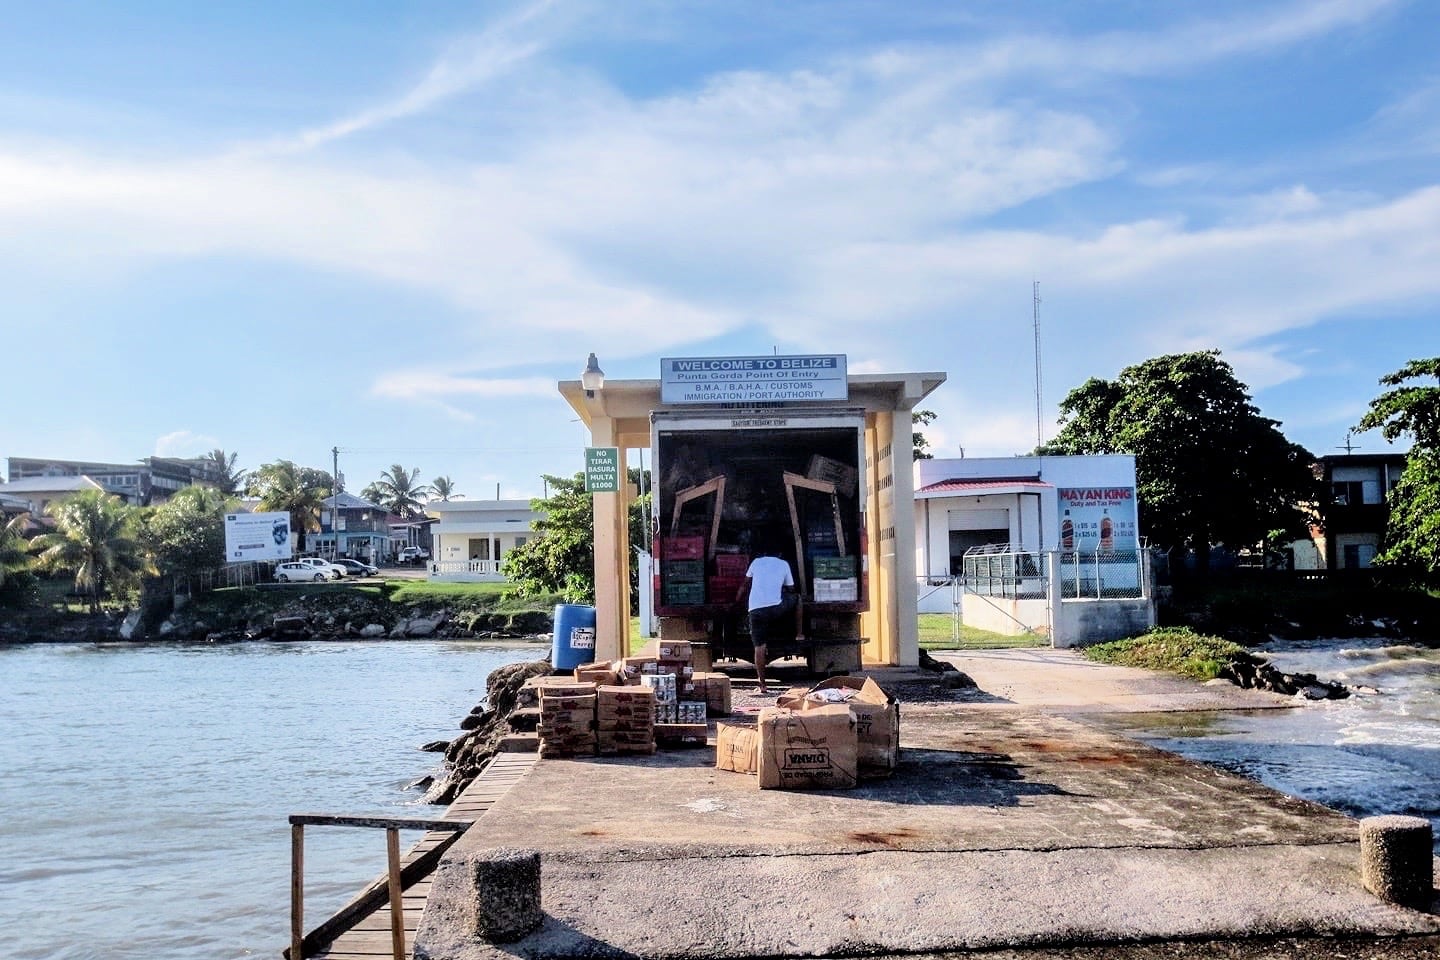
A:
[228,479]
[299,491]
[17,583]
[186,534]
[95,537]
[1209,468]
[1412,540]
[561,559]
[921,418]
[443,489]
[399,491]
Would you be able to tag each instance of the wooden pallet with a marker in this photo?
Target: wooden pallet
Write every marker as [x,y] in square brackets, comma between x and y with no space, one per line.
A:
[369,937]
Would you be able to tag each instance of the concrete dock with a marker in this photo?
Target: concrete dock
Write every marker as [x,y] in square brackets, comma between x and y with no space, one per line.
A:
[1011,825]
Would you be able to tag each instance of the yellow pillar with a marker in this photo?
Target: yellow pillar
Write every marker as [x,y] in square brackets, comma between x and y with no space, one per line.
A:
[612,552]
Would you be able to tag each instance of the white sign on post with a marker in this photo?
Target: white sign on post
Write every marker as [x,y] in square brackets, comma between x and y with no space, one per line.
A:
[753,379]
[257,536]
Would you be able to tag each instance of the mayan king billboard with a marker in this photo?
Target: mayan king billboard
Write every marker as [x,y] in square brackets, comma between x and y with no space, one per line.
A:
[1098,520]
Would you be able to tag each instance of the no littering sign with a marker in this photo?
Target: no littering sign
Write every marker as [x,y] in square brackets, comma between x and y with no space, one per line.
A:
[602,469]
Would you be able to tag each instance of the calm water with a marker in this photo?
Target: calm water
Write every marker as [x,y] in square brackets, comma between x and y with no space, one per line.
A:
[1376,752]
[145,789]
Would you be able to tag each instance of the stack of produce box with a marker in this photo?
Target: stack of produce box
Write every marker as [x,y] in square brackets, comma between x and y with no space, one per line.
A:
[835,579]
[625,719]
[680,717]
[682,571]
[567,720]
[729,575]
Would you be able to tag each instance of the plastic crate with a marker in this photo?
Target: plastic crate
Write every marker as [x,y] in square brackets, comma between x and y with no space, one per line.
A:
[833,568]
[683,548]
[683,571]
[684,594]
[731,564]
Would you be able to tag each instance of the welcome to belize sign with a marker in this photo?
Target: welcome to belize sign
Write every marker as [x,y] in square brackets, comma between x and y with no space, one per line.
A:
[753,379]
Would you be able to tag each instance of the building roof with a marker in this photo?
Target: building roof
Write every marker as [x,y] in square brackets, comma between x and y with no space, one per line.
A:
[51,485]
[966,486]
[348,501]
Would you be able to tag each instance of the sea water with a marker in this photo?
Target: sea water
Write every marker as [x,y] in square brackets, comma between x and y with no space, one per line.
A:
[145,789]
[1376,752]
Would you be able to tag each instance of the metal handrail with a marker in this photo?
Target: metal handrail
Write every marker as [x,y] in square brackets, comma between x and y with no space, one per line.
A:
[370,898]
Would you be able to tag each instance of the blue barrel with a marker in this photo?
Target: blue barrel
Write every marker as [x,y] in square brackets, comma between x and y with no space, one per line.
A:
[574,636]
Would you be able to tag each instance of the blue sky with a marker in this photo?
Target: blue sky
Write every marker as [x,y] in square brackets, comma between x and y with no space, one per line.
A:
[277,228]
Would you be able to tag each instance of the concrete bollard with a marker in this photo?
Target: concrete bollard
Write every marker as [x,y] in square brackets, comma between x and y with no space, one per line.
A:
[507,894]
[1395,859]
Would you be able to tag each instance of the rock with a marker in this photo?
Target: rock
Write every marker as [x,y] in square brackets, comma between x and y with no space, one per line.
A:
[423,783]
[953,679]
[129,625]
[421,628]
[167,627]
[1315,692]
[397,632]
[436,746]
[290,626]
[372,630]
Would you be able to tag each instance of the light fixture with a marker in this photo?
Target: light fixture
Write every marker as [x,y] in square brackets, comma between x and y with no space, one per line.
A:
[593,378]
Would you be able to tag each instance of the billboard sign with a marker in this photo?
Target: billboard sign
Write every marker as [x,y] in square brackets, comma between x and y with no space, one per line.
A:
[257,536]
[1098,520]
[753,379]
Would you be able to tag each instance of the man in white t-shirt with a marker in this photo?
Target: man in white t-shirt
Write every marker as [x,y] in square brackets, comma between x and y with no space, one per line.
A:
[770,595]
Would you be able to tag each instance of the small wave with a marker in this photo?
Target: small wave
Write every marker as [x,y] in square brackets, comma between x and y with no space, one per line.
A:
[1394,652]
[1414,667]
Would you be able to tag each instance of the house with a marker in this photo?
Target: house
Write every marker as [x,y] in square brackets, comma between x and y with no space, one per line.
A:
[1356,511]
[1033,544]
[472,536]
[41,491]
[352,527]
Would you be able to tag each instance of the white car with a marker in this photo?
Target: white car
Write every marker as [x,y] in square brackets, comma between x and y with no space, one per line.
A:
[412,555]
[332,570]
[296,571]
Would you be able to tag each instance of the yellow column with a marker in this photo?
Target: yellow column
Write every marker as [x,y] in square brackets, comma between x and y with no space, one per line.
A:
[612,554]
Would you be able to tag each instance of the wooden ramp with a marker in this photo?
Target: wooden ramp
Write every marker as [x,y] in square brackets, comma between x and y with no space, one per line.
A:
[369,937]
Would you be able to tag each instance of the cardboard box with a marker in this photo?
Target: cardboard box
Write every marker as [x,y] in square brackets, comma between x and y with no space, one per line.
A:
[682,734]
[715,689]
[567,717]
[662,685]
[613,694]
[792,698]
[673,650]
[645,724]
[595,673]
[807,750]
[877,720]
[736,748]
[549,703]
[562,687]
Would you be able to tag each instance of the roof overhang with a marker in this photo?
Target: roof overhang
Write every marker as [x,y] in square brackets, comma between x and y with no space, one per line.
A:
[981,488]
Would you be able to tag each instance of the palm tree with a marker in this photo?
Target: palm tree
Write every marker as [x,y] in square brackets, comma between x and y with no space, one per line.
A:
[397,491]
[94,536]
[14,548]
[227,479]
[299,491]
[444,489]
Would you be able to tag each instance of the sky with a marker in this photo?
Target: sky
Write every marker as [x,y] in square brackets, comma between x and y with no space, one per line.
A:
[281,228]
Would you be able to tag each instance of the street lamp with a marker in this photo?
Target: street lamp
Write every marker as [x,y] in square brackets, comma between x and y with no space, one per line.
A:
[593,378]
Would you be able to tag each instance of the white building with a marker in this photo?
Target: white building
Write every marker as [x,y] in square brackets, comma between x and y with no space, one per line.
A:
[1026,536]
[471,537]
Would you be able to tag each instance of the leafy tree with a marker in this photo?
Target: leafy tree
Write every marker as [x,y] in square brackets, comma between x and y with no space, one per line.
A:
[229,480]
[17,583]
[561,560]
[1209,468]
[94,537]
[443,488]
[399,491]
[921,418]
[299,491]
[1413,410]
[186,534]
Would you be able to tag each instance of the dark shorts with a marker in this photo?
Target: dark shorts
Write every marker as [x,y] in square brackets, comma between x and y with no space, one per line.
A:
[769,622]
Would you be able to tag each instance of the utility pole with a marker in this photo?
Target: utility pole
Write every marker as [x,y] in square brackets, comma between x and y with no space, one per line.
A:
[335,502]
[1039,389]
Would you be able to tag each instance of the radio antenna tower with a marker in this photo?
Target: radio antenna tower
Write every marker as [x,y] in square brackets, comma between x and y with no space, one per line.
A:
[1039,388]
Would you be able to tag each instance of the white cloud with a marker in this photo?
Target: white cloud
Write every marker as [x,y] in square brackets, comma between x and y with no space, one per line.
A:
[184,443]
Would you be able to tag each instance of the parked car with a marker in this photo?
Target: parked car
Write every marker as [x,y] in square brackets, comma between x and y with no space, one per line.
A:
[297,571]
[331,570]
[357,569]
[416,555]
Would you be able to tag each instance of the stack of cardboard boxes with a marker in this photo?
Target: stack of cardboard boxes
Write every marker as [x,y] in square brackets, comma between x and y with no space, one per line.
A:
[567,720]
[625,719]
[824,737]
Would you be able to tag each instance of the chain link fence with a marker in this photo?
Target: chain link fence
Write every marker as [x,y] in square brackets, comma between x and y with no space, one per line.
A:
[1101,576]
[995,570]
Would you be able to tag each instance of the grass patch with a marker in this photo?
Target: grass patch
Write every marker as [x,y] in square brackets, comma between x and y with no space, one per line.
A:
[937,632]
[1171,649]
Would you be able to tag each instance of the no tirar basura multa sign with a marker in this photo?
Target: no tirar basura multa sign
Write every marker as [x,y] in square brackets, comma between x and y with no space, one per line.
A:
[602,469]
[753,379]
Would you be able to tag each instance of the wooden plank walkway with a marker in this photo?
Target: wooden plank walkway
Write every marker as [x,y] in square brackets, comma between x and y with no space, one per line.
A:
[369,938]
